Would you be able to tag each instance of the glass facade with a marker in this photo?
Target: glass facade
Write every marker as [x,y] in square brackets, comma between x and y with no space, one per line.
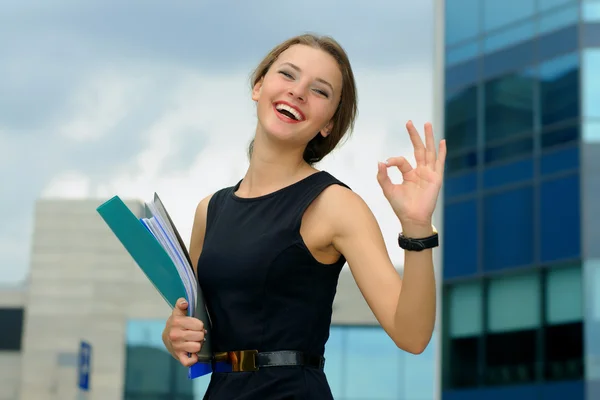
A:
[362,363]
[521,220]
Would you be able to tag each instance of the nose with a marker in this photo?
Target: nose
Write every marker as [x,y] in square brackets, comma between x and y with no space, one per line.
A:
[298,92]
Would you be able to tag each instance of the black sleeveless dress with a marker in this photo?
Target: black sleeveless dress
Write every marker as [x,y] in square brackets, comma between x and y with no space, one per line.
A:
[265,291]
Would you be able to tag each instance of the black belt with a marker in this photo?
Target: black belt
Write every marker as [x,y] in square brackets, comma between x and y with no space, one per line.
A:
[252,360]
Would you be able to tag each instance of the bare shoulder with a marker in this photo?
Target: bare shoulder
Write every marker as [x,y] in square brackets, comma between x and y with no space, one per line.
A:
[199,229]
[341,207]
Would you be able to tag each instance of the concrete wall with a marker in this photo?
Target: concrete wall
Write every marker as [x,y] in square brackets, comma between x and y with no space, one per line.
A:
[83,285]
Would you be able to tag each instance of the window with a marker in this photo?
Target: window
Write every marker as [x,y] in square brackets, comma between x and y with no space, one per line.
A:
[562,159]
[560,219]
[461,119]
[11,321]
[558,42]
[390,372]
[509,37]
[560,137]
[461,53]
[544,5]
[151,372]
[507,174]
[461,184]
[461,75]
[361,363]
[518,148]
[500,13]
[513,318]
[559,89]
[557,19]
[590,11]
[461,247]
[591,83]
[509,106]
[464,309]
[508,229]
[564,324]
[508,58]
[462,20]
[381,380]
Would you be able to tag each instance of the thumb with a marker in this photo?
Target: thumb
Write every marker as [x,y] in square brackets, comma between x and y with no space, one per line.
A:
[180,307]
[384,179]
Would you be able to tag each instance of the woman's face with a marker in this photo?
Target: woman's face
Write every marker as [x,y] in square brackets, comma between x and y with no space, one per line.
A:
[298,96]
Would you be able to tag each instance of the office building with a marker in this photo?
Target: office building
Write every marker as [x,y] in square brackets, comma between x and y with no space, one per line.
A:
[84,286]
[521,211]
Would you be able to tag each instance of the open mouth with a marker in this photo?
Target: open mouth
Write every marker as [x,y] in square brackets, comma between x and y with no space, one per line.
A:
[289,112]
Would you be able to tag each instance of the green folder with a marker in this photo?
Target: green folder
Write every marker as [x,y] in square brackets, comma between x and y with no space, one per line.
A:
[152,258]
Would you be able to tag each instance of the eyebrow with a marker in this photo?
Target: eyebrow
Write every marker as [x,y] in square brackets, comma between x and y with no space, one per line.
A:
[318,79]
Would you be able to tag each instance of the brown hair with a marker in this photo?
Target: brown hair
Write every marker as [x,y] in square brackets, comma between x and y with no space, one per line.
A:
[345,114]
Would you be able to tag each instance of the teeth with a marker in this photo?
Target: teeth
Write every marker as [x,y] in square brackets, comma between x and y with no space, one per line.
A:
[289,109]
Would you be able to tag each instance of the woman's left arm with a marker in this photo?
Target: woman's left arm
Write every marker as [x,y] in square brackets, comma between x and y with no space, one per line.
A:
[405,307]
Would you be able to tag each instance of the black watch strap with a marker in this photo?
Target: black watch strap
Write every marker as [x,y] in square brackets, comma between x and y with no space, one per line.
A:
[411,244]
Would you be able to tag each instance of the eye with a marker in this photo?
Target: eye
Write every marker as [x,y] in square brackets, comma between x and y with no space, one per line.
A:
[322,93]
[287,75]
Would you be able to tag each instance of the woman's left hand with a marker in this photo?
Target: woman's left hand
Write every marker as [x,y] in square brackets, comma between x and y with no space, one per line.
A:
[414,200]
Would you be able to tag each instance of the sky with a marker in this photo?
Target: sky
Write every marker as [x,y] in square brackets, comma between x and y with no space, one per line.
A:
[103,98]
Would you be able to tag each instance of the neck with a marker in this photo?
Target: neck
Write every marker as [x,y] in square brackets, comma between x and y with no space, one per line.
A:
[272,167]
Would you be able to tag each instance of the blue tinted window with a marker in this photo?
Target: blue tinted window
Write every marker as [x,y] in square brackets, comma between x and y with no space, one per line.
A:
[461,53]
[560,219]
[462,20]
[508,59]
[562,159]
[462,162]
[557,43]
[544,5]
[509,37]
[590,11]
[509,106]
[335,352]
[517,148]
[514,303]
[460,184]
[508,229]
[558,19]
[372,365]
[461,75]
[561,309]
[559,89]
[499,13]
[504,174]
[461,118]
[591,83]
[150,371]
[466,310]
[559,137]
[461,246]
[418,378]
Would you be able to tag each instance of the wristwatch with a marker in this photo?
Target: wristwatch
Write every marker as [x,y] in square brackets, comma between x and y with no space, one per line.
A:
[412,244]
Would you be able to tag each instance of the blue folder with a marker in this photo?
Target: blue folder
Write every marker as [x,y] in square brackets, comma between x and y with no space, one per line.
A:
[156,264]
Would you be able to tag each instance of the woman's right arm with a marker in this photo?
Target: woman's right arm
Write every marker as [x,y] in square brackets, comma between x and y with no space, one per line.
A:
[184,335]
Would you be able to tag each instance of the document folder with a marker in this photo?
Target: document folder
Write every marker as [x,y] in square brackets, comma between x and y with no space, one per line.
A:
[156,246]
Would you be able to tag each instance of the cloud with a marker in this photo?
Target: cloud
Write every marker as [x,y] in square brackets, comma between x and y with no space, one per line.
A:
[135,97]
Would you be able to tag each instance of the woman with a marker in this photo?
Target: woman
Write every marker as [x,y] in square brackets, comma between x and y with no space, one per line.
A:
[268,251]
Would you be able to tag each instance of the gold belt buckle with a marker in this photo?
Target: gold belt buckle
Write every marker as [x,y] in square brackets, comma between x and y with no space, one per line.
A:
[240,360]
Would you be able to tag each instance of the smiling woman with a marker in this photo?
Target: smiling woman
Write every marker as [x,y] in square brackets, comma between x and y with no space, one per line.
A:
[268,251]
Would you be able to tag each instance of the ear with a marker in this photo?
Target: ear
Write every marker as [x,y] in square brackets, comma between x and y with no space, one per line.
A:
[327,129]
[256,90]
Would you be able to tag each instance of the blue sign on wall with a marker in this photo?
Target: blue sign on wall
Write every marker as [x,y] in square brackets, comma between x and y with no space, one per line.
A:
[83,367]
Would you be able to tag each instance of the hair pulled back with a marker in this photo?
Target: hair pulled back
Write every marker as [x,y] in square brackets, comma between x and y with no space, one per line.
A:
[345,114]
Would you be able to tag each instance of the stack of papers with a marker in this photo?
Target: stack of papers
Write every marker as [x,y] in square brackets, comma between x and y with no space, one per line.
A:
[156,247]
